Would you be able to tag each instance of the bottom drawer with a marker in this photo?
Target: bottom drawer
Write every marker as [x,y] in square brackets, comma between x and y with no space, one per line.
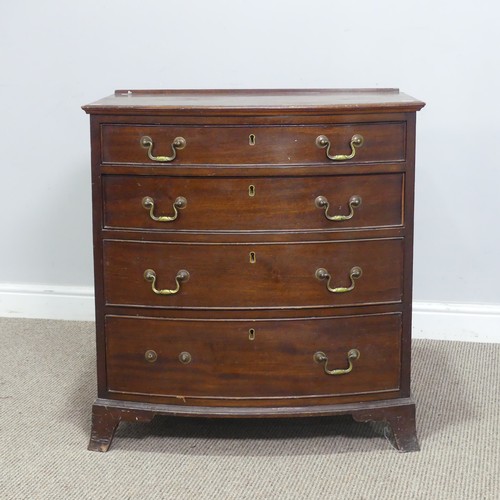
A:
[253,359]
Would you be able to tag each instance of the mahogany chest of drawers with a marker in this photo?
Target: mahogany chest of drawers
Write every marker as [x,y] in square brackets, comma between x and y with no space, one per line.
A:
[253,255]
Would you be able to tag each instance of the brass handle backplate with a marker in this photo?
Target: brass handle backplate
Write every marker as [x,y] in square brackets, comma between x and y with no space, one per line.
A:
[178,143]
[357,140]
[185,357]
[321,357]
[150,356]
[354,202]
[354,274]
[149,204]
[181,277]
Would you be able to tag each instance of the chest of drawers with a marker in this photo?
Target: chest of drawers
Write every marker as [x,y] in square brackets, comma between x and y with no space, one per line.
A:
[253,255]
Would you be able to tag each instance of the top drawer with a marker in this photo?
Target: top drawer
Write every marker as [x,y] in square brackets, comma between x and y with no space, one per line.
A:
[312,144]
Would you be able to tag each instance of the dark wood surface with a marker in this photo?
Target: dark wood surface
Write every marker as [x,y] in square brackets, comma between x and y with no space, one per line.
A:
[273,145]
[398,416]
[312,101]
[292,312]
[277,204]
[283,275]
[277,363]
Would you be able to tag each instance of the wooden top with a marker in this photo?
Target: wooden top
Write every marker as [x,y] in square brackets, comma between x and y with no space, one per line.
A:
[319,101]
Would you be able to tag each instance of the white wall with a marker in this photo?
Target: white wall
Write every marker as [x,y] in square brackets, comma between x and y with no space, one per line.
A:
[58,55]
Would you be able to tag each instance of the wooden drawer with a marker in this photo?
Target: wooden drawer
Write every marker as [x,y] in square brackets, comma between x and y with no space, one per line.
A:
[220,360]
[226,276]
[382,142]
[252,204]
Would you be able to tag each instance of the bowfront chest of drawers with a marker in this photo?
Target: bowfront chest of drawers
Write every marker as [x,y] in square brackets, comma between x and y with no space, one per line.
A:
[253,255]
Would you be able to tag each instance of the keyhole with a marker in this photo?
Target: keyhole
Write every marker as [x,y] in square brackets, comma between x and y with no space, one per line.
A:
[251,190]
[251,334]
[253,258]
[251,139]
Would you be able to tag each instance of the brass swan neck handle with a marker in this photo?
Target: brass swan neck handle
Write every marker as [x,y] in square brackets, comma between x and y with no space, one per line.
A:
[178,143]
[354,202]
[357,141]
[321,357]
[149,204]
[181,277]
[354,274]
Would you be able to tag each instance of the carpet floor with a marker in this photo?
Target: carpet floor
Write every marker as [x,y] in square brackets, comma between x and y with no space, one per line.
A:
[47,387]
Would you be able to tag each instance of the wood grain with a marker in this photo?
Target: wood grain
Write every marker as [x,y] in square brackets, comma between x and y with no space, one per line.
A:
[278,204]
[383,142]
[283,276]
[278,363]
[254,102]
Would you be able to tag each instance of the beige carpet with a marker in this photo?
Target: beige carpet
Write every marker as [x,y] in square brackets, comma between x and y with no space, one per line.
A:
[47,386]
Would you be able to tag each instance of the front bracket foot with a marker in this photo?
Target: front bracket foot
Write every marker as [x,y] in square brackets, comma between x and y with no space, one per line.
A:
[400,420]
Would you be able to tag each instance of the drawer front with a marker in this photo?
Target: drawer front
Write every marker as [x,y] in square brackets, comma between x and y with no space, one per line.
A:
[382,142]
[250,204]
[245,276]
[221,359]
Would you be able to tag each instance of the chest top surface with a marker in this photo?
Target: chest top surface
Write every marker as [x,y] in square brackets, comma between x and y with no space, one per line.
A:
[334,101]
